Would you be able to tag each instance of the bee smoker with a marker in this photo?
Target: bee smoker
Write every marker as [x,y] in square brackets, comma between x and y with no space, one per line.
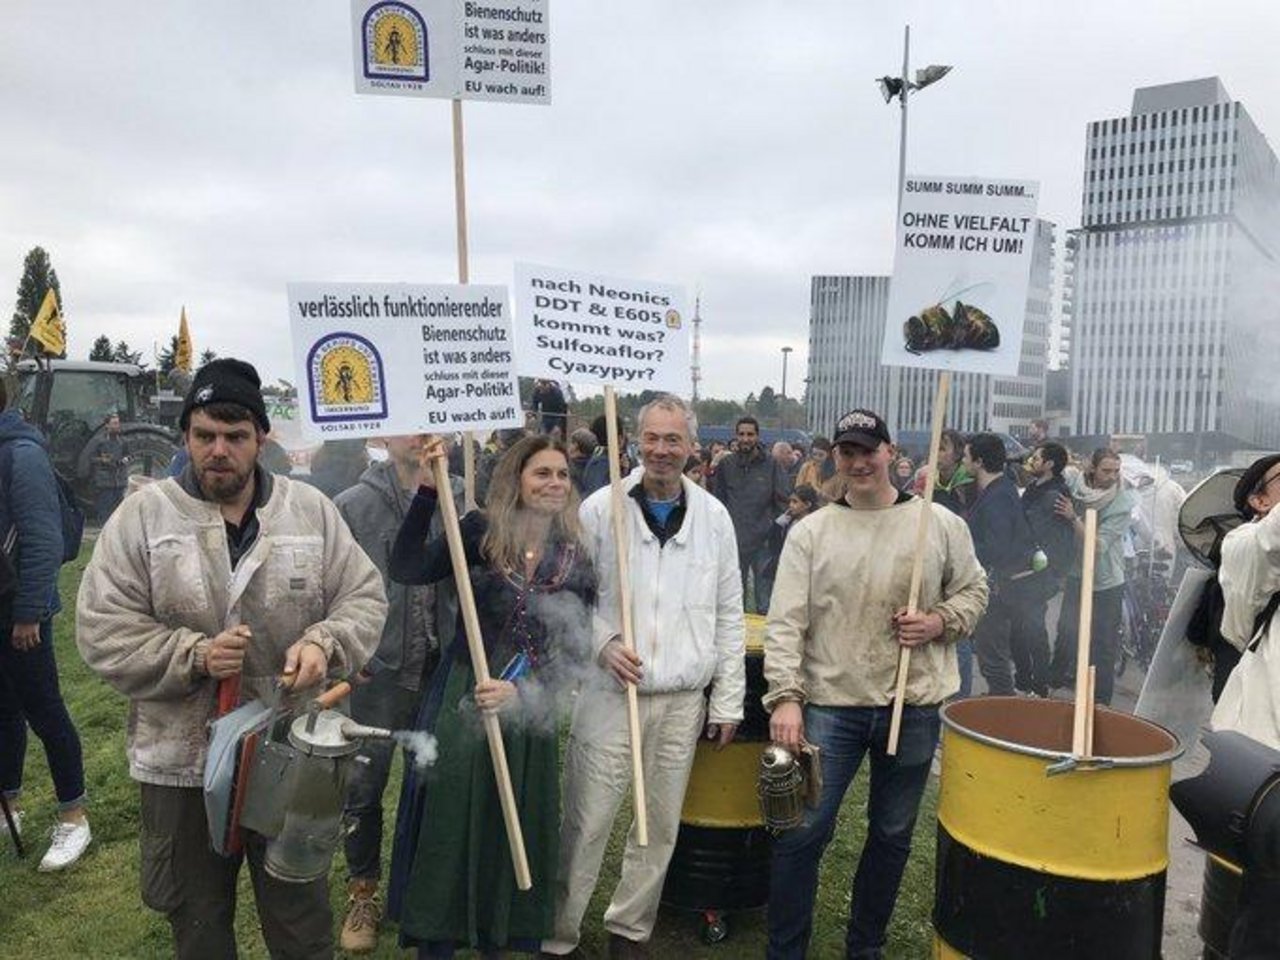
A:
[788,783]
[297,792]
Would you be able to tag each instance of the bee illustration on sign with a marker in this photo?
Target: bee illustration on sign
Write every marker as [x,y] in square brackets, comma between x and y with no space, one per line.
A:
[345,379]
[952,324]
[394,43]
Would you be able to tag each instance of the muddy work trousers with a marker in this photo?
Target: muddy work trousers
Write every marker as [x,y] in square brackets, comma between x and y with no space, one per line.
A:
[195,888]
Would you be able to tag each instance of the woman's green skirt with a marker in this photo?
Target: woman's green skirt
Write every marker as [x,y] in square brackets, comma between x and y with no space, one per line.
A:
[462,885]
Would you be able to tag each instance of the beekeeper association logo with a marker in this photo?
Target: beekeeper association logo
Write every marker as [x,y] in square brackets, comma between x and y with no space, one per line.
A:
[345,380]
[394,43]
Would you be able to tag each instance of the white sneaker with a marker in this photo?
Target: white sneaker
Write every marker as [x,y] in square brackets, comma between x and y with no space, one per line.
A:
[69,841]
[5,832]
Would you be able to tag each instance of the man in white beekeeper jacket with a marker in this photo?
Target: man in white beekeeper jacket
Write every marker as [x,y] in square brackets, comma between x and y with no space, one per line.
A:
[687,614]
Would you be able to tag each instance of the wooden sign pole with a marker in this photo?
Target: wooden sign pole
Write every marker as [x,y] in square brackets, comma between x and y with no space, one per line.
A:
[475,644]
[1080,745]
[917,563]
[624,612]
[464,276]
[457,554]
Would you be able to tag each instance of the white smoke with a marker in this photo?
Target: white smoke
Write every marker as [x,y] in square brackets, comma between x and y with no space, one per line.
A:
[418,744]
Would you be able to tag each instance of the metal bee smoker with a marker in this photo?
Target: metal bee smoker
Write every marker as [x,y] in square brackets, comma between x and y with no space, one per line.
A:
[788,783]
[296,792]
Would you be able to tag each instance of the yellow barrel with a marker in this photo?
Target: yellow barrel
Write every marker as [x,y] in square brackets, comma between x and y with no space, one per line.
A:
[721,858]
[1041,857]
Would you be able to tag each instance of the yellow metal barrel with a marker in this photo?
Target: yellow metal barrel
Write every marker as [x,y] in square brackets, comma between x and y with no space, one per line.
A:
[721,859]
[1039,856]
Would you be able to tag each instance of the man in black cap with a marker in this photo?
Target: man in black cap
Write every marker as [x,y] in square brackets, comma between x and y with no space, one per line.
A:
[223,578]
[836,625]
[1250,579]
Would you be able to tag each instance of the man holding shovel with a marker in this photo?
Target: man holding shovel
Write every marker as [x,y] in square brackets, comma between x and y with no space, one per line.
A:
[224,573]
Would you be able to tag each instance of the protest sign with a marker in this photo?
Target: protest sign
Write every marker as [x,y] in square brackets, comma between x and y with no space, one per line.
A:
[488,50]
[958,299]
[574,326]
[398,358]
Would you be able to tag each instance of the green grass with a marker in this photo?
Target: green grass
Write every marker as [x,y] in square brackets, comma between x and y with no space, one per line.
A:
[94,909]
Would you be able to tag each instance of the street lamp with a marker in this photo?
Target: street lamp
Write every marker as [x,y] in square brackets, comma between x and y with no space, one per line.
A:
[901,87]
[782,415]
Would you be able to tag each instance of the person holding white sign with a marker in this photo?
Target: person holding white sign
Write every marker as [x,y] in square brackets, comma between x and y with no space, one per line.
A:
[534,589]
[687,609]
[836,626]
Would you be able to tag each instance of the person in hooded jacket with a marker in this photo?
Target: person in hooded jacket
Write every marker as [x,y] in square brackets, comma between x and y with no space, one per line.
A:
[29,692]
[420,622]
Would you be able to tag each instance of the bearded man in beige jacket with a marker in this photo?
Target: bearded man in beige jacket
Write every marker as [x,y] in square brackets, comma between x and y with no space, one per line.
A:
[224,571]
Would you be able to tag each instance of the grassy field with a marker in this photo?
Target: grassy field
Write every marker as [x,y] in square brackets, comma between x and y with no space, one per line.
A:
[93,910]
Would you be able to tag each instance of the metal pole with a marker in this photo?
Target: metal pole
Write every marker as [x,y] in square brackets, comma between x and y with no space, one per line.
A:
[782,409]
[895,373]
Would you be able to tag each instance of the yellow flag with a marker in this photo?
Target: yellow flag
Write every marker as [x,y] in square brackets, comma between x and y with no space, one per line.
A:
[182,359]
[48,328]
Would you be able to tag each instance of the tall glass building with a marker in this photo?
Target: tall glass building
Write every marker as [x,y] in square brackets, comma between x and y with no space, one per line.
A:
[1172,277]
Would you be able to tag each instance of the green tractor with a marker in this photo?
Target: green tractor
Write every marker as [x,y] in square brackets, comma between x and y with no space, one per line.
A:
[70,400]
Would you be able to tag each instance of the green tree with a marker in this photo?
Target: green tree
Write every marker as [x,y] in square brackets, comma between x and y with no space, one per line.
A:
[102,350]
[122,354]
[168,357]
[715,412]
[205,356]
[767,405]
[38,276]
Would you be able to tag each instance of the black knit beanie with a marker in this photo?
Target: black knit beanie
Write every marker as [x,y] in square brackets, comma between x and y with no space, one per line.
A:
[226,381]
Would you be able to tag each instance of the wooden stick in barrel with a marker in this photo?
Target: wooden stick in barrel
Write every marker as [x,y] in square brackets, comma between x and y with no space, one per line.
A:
[1084,698]
[917,563]
[1089,714]
[624,610]
[492,731]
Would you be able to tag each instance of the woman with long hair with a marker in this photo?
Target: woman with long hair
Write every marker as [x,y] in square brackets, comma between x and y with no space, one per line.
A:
[452,880]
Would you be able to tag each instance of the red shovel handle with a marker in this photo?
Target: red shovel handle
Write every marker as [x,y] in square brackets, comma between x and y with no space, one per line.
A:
[228,694]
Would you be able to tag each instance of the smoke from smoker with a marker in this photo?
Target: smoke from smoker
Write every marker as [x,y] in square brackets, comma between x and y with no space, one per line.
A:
[420,745]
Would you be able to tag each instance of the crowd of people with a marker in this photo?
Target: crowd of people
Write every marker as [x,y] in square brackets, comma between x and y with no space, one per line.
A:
[228,570]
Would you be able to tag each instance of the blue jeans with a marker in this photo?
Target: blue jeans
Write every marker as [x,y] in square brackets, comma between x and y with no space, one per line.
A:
[845,735]
[29,694]
[964,660]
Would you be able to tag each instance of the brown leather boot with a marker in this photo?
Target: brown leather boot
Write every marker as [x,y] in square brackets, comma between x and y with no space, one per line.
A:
[364,910]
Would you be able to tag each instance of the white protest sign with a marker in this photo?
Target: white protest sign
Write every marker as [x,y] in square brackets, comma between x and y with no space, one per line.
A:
[378,359]
[583,328]
[468,49]
[958,299]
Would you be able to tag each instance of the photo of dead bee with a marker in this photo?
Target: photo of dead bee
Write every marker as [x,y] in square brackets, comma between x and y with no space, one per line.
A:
[963,327]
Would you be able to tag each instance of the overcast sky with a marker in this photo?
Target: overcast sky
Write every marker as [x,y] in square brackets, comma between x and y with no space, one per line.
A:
[207,153]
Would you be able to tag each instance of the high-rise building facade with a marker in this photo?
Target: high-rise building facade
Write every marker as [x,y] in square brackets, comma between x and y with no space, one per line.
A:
[1173,278]
[846,336]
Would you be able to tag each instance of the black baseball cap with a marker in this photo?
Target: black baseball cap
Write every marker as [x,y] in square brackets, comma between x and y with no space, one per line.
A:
[1250,479]
[863,427]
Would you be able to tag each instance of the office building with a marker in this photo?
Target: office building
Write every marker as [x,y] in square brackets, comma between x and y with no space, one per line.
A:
[1172,286]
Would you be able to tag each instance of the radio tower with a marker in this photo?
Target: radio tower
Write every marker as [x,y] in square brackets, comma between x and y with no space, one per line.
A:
[697,346]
